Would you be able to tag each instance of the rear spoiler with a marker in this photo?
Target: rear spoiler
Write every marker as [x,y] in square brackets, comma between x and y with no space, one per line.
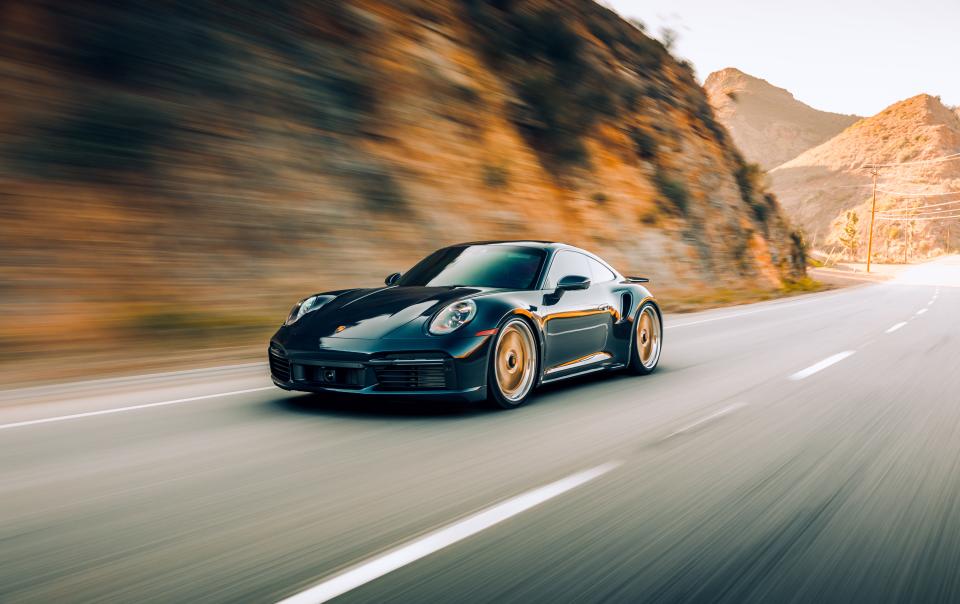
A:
[638,280]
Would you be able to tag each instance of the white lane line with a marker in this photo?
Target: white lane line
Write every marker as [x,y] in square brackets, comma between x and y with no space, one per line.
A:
[896,327]
[63,418]
[921,311]
[751,312]
[715,415]
[123,380]
[407,553]
[831,360]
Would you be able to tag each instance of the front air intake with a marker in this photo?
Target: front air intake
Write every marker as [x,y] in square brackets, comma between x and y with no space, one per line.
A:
[279,366]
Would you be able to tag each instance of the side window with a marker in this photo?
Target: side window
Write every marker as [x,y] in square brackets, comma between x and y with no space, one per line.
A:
[567,263]
[599,273]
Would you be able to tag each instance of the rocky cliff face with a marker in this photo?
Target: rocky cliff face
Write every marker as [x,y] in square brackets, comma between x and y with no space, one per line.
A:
[767,123]
[170,171]
[820,185]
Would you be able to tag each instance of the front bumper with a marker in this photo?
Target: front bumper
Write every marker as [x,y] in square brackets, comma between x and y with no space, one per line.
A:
[396,368]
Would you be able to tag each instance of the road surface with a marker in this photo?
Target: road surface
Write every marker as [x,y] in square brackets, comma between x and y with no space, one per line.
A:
[805,449]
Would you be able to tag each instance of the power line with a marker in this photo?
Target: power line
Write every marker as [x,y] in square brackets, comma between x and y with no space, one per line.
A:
[934,160]
[917,219]
[924,207]
[893,193]
[875,173]
[906,213]
[899,194]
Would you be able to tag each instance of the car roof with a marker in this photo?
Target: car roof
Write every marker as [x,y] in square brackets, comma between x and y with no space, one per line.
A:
[547,246]
[542,244]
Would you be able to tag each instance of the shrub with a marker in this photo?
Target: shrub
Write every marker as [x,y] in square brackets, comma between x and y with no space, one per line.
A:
[337,101]
[803,284]
[112,134]
[629,93]
[741,249]
[649,216]
[704,112]
[644,144]
[748,178]
[560,93]
[495,177]
[673,190]
[546,34]
[552,122]
[379,189]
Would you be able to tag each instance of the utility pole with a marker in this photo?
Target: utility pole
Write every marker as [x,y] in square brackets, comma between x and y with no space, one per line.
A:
[873,211]
[905,246]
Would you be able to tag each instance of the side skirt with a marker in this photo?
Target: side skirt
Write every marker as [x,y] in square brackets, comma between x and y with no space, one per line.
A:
[550,379]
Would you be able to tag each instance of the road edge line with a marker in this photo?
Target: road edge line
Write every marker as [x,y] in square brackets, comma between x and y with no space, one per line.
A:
[379,565]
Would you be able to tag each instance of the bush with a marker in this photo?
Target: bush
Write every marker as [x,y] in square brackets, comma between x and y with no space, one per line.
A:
[674,190]
[801,247]
[649,216]
[495,177]
[560,93]
[546,34]
[803,284]
[113,134]
[553,123]
[379,189]
[749,179]
[704,112]
[337,101]
[644,144]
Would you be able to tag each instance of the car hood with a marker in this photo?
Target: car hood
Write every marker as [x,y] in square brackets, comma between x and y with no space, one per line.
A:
[375,313]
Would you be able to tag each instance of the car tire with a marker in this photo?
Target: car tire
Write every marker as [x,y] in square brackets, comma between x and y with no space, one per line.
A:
[647,340]
[514,362]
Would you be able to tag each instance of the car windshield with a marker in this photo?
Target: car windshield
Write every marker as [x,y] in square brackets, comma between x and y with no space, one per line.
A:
[500,266]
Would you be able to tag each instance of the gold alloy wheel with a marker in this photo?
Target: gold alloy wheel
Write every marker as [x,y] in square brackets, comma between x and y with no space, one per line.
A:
[515,360]
[648,337]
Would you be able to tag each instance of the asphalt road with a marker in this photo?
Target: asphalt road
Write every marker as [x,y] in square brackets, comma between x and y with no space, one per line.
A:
[800,450]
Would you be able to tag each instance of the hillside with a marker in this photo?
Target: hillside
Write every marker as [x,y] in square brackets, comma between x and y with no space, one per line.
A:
[767,123]
[817,187]
[184,174]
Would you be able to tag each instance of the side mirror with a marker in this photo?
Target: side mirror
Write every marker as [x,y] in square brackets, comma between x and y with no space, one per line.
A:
[392,279]
[572,282]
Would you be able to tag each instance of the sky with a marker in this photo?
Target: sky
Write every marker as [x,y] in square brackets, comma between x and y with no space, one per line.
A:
[846,56]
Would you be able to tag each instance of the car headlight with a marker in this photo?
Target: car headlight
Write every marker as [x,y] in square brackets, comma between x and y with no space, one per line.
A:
[305,306]
[453,317]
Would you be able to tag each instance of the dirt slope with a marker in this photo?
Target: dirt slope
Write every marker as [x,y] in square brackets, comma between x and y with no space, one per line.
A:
[820,185]
[185,174]
[767,123]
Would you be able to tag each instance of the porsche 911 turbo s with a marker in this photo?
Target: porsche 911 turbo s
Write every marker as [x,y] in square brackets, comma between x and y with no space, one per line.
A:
[475,321]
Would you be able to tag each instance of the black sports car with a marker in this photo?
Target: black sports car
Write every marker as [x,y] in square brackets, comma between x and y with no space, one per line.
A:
[487,320]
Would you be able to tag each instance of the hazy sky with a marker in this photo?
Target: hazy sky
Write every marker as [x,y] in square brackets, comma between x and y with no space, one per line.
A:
[848,56]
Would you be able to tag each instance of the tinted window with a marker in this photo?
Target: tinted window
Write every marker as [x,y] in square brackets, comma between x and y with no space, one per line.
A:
[501,266]
[599,273]
[564,264]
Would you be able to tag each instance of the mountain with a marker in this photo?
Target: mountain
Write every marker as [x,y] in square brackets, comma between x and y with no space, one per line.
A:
[819,186]
[767,123]
[188,170]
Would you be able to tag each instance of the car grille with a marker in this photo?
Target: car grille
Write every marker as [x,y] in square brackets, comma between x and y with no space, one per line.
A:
[279,366]
[412,377]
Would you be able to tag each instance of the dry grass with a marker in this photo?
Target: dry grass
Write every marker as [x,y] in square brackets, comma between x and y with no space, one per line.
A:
[732,297]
